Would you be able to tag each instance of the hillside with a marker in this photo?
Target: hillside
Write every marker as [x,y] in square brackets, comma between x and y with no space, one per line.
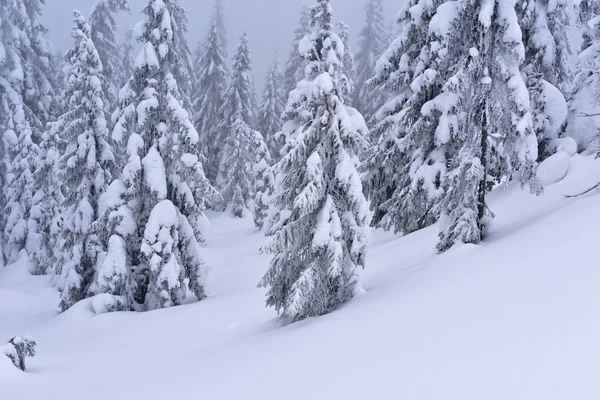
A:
[514,318]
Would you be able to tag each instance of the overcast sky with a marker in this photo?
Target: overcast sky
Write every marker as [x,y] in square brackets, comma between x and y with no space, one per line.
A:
[269,23]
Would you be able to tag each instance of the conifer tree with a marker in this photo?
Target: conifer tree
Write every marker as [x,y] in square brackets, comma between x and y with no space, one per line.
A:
[372,44]
[33,57]
[104,35]
[582,122]
[219,17]
[84,169]
[26,95]
[156,208]
[320,227]
[209,96]
[46,216]
[272,108]
[348,62]
[236,171]
[236,134]
[264,181]
[127,51]
[485,115]
[544,26]
[294,68]
[183,66]
[406,165]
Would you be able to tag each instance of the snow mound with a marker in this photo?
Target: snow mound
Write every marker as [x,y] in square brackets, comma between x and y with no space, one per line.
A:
[554,168]
[566,144]
[105,303]
[555,106]
[7,369]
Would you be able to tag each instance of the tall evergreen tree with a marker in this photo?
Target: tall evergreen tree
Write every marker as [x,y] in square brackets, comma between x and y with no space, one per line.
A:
[320,228]
[264,181]
[236,172]
[85,166]
[127,51]
[27,91]
[485,115]
[372,43]
[348,62]
[34,54]
[544,25]
[294,68]
[209,96]
[104,35]
[154,215]
[235,134]
[272,108]
[219,17]
[406,166]
[581,126]
[183,66]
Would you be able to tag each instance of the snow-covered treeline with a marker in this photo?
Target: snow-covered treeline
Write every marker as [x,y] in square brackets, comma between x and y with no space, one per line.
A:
[109,159]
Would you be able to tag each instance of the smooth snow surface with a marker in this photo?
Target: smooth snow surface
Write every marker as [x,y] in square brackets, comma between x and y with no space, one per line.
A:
[515,318]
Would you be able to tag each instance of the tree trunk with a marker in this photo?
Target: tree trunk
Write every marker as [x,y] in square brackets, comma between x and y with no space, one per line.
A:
[482,183]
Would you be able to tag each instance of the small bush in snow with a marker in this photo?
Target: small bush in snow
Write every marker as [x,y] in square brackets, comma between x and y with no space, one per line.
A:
[18,349]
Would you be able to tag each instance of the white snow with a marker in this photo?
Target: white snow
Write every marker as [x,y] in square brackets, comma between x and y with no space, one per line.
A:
[555,106]
[514,318]
[554,168]
[154,173]
[566,144]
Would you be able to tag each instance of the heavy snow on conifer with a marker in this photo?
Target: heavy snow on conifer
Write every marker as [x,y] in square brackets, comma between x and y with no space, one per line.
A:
[84,167]
[104,35]
[544,25]
[405,167]
[320,227]
[209,96]
[372,44]
[163,174]
[485,115]
[271,111]
[294,67]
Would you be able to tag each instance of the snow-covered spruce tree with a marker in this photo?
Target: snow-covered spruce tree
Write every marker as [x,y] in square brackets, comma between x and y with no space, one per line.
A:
[156,209]
[272,108]
[20,183]
[405,168]
[4,111]
[46,216]
[219,17]
[27,102]
[264,181]
[294,68]
[348,63]
[104,35]
[583,123]
[208,97]
[238,118]
[127,52]
[486,114]
[84,169]
[544,25]
[372,44]
[183,66]
[32,57]
[320,227]
[236,181]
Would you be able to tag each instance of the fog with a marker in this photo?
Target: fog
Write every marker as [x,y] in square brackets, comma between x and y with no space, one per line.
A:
[269,23]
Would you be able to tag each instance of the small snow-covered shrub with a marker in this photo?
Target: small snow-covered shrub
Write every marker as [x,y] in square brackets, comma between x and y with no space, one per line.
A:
[18,349]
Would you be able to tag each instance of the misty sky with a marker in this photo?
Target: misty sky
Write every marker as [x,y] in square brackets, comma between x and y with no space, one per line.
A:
[269,23]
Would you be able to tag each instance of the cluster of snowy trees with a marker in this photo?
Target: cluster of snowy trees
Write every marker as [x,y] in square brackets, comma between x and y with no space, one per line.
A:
[108,159]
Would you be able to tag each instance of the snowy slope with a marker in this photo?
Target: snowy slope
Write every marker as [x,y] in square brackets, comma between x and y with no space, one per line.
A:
[515,318]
